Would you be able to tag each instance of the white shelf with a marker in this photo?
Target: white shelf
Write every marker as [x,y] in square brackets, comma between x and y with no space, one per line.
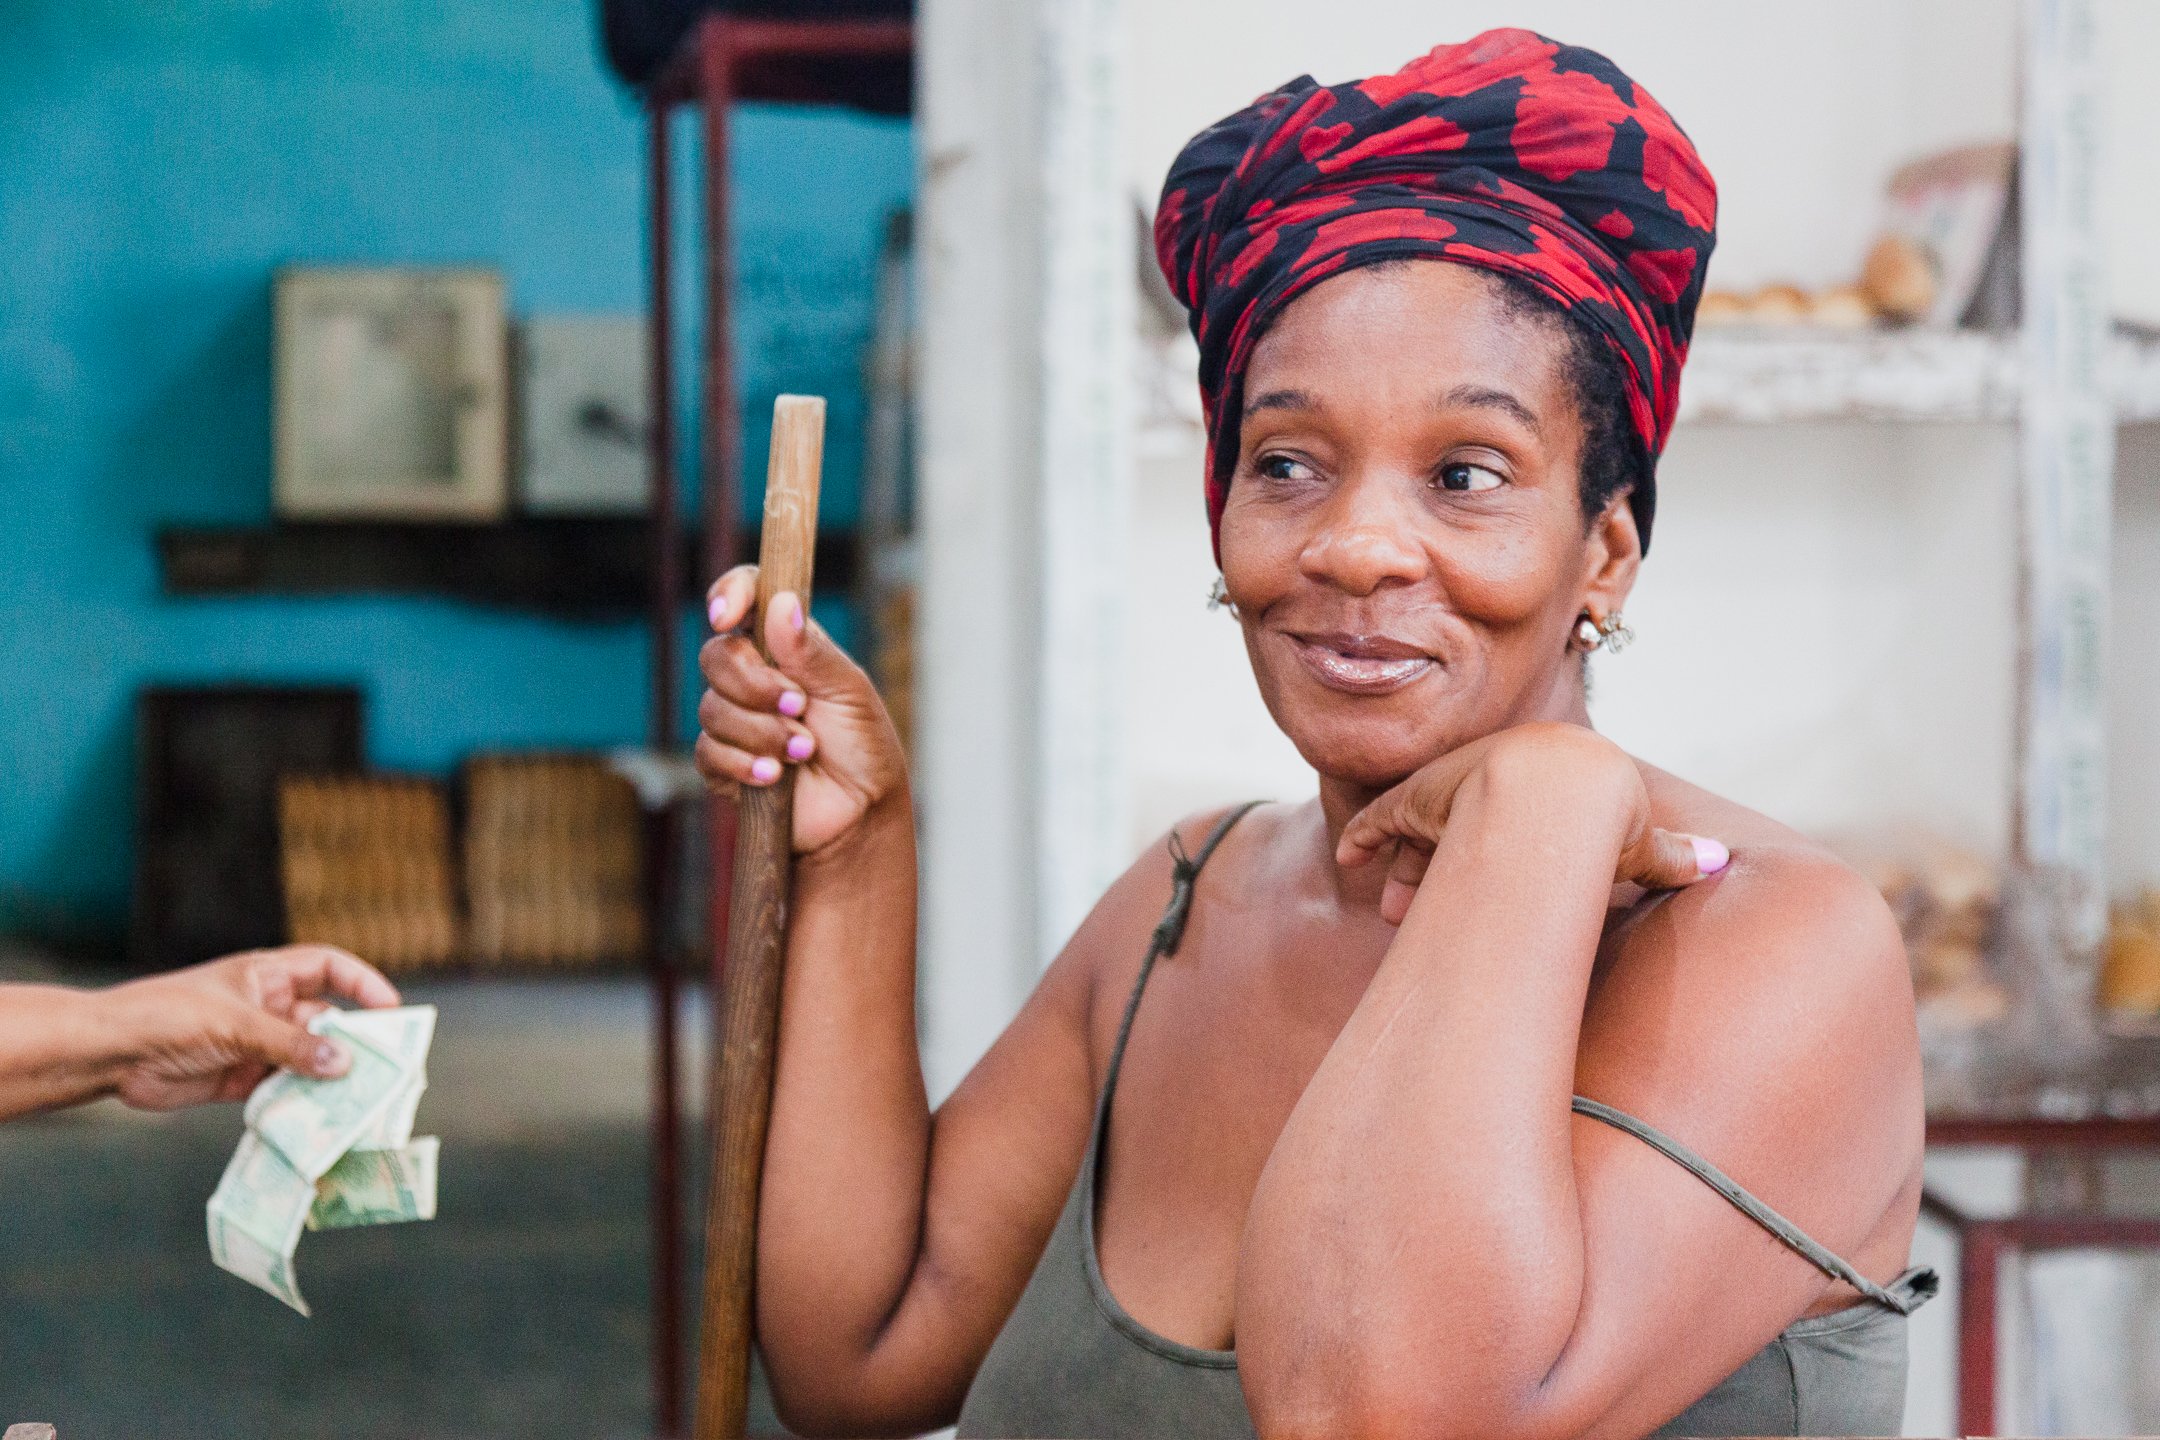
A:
[1776,376]
[1769,377]
[1764,377]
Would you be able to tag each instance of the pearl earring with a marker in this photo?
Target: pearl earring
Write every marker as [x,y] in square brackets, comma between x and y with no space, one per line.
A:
[1610,634]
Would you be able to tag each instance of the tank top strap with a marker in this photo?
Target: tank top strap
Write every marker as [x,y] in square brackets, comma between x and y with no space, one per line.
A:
[1905,1294]
[1170,930]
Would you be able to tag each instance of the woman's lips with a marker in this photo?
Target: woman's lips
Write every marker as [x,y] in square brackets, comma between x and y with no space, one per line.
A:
[1360,664]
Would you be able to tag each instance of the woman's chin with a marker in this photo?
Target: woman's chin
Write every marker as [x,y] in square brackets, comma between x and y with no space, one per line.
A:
[1364,754]
[1370,740]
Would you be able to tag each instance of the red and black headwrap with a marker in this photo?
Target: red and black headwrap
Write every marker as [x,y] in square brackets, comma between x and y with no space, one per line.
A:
[1509,152]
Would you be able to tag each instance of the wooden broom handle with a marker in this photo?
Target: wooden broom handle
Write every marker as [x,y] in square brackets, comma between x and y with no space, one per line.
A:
[756,948]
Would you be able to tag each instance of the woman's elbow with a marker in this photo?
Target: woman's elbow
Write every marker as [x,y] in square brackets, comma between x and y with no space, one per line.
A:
[1341,1417]
[1403,1417]
[813,1411]
[1375,1396]
[837,1401]
[828,1413]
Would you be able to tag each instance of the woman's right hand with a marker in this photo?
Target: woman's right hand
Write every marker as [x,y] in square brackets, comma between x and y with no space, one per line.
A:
[813,708]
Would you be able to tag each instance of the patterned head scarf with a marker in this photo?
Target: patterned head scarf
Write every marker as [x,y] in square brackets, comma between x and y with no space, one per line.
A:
[1510,152]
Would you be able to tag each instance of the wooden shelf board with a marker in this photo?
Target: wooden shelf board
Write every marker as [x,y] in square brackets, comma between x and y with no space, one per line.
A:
[587,568]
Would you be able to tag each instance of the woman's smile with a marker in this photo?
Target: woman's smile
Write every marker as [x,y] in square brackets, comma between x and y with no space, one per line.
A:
[1361,664]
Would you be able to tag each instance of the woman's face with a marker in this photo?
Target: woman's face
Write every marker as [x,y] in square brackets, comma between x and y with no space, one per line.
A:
[1404,536]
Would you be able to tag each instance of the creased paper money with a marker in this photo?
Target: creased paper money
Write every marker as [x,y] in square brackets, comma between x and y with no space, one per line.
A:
[327,1154]
[377,1187]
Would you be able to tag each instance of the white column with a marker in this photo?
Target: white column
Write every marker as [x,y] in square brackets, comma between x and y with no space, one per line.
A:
[1087,344]
[2068,446]
[1025,247]
[977,461]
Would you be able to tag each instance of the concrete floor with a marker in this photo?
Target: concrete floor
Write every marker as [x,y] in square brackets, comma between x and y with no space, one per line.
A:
[521,1310]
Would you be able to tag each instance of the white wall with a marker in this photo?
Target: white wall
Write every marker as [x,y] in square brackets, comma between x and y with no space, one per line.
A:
[2130,203]
[1825,624]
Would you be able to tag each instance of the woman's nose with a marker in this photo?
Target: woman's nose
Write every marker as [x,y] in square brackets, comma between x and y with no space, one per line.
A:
[1363,543]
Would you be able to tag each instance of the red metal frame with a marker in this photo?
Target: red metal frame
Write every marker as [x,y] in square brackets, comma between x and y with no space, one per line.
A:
[722,60]
[1984,1242]
[665,830]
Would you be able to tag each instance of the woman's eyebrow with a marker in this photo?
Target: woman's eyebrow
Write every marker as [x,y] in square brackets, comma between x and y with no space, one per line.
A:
[1486,398]
[1282,400]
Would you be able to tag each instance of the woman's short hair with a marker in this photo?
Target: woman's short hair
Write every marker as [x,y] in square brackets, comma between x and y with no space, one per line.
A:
[1612,462]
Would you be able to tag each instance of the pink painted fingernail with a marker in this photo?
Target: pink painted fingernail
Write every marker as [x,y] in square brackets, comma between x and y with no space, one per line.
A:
[714,609]
[330,1058]
[795,613]
[764,769]
[791,703]
[798,747]
[1710,855]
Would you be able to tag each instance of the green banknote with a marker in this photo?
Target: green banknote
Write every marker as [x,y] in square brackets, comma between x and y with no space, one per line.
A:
[396,1125]
[378,1187]
[313,1122]
[326,1154]
[255,1217]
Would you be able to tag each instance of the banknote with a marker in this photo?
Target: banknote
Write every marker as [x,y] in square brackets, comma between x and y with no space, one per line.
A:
[255,1217]
[327,1154]
[396,1126]
[378,1187]
[392,1032]
[313,1122]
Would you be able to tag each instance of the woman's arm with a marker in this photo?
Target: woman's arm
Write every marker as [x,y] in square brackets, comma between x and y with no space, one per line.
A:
[209,1032]
[892,1242]
[1437,1247]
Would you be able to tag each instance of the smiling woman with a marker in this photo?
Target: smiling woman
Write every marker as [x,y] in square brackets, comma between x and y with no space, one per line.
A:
[1475,462]
[1511,1087]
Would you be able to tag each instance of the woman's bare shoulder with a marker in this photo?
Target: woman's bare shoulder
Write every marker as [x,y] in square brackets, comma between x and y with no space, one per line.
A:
[1102,960]
[1777,992]
[1783,889]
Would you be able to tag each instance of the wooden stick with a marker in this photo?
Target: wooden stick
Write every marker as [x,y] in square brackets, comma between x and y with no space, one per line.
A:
[756,948]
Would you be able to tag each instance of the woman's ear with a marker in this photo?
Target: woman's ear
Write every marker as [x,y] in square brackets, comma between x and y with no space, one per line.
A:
[1611,558]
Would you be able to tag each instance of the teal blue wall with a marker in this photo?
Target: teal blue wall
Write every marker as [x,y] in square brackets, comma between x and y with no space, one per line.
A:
[156,161]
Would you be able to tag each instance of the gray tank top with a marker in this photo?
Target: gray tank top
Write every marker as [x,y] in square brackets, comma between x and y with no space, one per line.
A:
[1071,1363]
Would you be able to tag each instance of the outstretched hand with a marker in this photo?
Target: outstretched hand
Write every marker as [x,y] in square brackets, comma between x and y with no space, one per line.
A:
[1410,816]
[213,1031]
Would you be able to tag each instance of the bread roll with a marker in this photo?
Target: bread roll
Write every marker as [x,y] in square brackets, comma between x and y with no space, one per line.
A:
[1843,307]
[2130,976]
[1721,307]
[1778,305]
[1899,278]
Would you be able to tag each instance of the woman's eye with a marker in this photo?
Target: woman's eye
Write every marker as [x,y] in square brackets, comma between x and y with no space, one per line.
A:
[1464,476]
[1283,467]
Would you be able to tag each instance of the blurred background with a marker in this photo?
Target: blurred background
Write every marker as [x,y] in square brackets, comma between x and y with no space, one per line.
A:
[381,384]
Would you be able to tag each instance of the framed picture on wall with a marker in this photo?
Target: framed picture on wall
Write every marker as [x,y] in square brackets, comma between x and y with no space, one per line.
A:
[391,390]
